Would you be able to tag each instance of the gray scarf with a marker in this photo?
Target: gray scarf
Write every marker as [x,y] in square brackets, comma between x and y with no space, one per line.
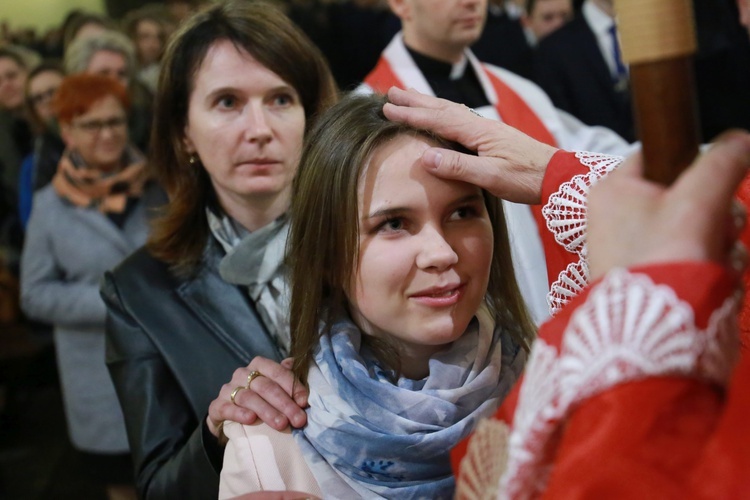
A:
[255,260]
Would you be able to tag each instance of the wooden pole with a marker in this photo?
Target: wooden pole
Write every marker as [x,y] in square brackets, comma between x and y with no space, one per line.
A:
[658,40]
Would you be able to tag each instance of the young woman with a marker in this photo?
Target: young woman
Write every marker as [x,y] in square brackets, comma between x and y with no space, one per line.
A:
[240,84]
[406,320]
[40,165]
[94,213]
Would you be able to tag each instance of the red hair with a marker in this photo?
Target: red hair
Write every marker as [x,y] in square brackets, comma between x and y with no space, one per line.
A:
[77,93]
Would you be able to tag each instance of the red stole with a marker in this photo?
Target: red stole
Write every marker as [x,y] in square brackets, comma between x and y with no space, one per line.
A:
[512,109]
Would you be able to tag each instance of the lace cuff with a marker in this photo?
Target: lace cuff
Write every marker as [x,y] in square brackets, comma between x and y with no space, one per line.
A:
[628,329]
[565,216]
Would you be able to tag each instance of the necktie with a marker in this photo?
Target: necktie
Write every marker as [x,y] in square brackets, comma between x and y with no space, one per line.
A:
[620,74]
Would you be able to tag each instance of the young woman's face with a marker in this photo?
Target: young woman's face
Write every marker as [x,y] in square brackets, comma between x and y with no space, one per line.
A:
[42,89]
[425,251]
[149,41]
[246,124]
[12,81]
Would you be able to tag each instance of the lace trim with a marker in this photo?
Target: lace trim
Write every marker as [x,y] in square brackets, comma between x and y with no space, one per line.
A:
[484,463]
[629,328]
[565,215]
[570,282]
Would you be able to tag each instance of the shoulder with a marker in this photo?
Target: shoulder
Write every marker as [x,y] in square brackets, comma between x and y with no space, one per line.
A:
[528,90]
[47,196]
[138,270]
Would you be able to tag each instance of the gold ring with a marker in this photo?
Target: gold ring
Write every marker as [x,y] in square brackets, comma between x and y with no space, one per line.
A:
[234,393]
[252,376]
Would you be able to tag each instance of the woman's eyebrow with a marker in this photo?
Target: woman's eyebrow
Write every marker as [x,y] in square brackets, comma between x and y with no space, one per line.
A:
[387,212]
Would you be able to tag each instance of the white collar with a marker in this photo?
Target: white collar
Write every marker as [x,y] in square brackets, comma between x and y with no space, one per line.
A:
[598,20]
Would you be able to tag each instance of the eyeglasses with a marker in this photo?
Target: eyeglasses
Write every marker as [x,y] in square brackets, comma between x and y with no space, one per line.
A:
[96,126]
[43,96]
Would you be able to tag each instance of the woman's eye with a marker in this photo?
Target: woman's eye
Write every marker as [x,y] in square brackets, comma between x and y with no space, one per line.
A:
[283,100]
[463,213]
[391,225]
[227,101]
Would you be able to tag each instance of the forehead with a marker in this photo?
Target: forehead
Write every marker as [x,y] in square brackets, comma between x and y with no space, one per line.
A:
[226,65]
[108,58]
[46,77]
[106,107]
[9,64]
[543,6]
[147,25]
[393,175]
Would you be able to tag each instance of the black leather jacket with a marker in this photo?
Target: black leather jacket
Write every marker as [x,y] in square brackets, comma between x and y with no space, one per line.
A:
[171,345]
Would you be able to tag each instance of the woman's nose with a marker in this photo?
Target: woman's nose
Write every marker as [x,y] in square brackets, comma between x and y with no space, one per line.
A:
[436,252]
[258,128]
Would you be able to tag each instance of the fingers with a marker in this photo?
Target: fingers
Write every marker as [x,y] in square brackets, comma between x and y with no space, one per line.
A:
[412,98]
[272,404]
[714,177]
[453,165]
[264,389]
[452,121]
[281,375]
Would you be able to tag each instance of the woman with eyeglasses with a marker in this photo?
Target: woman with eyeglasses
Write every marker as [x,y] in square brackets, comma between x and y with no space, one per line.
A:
[91,216]
[40,165]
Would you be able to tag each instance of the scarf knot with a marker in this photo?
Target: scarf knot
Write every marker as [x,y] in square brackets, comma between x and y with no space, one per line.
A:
[108,192]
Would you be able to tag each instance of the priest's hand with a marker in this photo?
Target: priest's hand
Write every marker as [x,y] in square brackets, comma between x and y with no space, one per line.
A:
[634,222]
[510,164]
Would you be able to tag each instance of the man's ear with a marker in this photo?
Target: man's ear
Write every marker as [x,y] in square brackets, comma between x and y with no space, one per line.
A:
[400,8]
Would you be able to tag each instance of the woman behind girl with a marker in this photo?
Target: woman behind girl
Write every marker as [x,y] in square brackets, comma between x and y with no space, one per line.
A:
[406,320]
[239,87]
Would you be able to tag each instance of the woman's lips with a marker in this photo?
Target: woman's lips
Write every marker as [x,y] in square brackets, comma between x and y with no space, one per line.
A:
[439,297]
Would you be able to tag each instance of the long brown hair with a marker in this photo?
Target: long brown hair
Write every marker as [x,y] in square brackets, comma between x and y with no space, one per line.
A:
[323,244]
[180,234]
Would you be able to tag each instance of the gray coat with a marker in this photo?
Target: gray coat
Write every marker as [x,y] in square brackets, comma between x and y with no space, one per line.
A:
[66,252]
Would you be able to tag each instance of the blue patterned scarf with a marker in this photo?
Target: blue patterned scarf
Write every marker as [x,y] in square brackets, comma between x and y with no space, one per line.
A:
[368,437]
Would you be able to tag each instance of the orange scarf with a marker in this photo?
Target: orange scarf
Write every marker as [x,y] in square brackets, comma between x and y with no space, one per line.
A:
[89,187]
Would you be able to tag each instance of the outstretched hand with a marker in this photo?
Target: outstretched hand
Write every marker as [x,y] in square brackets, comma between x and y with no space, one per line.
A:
[274,396]
[632,221]
[510,164]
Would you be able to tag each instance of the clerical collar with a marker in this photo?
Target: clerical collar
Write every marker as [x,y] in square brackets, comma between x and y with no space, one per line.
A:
[434,68]
[455,82]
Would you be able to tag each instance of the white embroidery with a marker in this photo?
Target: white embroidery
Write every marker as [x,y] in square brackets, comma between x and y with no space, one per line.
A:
[722,343]
[570,282]
[565,215]
[532,423]
[485,461]
[628,328]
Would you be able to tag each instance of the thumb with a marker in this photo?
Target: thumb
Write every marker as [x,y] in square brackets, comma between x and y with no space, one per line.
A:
[453,165]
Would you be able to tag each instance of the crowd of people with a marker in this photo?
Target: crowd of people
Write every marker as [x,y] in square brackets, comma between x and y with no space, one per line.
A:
[265,265]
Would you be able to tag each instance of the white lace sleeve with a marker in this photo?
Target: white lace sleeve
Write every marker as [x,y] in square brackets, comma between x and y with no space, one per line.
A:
[629,328]
[565,214]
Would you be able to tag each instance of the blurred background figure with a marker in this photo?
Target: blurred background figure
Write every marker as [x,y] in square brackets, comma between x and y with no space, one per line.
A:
[542,17]
[41,87]
[146,29]
[81,24]
[503,42]
[111,54]
[92,215]
[15,143]
[581,69]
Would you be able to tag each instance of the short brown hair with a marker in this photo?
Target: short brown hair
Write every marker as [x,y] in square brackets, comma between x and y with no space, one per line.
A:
[323,242]
[77,93]
[180,235]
